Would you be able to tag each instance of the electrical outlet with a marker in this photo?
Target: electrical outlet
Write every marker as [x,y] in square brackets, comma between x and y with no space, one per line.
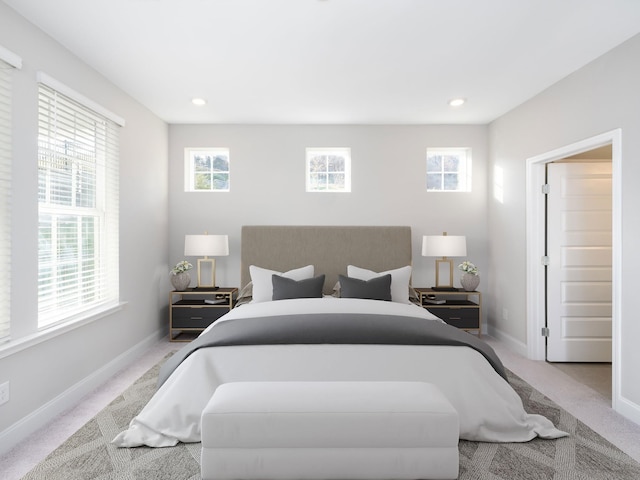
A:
[505,314]
[4,393]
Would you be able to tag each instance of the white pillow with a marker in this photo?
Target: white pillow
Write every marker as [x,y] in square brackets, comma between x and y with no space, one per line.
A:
[399,280]
[263,285]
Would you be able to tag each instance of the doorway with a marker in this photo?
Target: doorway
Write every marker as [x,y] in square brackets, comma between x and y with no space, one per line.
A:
[536,248]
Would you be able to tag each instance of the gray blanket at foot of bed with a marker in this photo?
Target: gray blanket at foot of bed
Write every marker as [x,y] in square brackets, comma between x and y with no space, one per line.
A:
[331,328]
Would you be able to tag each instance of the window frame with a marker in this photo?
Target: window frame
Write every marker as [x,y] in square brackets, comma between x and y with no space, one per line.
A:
[464,172]
[77,144]
[190,171]
[311,152]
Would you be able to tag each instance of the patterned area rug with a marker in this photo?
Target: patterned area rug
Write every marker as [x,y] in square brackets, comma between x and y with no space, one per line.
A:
[584,455]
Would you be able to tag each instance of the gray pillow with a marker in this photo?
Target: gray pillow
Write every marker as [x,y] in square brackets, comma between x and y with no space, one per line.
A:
[378,288]
[286,288]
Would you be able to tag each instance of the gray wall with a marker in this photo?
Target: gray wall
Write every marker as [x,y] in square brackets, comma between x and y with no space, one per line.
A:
[42,376]
[388,186]
[598,98]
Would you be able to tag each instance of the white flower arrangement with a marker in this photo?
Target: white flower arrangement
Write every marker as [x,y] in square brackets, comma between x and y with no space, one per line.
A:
[468,267]
[181,267]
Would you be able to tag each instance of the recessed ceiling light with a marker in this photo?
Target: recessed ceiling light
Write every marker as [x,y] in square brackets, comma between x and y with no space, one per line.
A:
[456,102]
[199,101]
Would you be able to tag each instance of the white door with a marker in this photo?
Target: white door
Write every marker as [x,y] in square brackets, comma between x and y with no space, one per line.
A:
[579,215]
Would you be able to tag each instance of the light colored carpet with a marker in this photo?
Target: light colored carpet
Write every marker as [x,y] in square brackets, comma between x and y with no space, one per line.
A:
[594,375]
[584,455]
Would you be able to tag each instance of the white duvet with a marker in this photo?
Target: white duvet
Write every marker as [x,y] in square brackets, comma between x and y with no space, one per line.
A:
[488,408]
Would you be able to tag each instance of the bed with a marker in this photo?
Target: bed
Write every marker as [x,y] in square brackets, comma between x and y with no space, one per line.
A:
[351,338]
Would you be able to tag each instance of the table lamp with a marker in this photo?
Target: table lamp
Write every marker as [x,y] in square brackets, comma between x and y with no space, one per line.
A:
[206,246]
[444,246]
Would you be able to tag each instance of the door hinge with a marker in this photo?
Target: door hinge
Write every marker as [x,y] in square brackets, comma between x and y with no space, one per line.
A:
[545,332]
[546,188]
[545,260]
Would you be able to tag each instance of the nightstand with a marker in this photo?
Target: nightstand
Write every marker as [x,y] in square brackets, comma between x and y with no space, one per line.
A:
[459,308]
[194,309]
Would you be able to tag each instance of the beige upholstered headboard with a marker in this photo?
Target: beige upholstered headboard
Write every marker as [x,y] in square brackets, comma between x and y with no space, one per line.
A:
[329,248]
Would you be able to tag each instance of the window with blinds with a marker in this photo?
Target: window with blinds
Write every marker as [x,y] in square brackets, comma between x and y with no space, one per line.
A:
[78,209]
[5,198]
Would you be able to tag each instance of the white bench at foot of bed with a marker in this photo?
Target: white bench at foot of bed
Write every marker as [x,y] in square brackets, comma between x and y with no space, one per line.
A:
[329,430]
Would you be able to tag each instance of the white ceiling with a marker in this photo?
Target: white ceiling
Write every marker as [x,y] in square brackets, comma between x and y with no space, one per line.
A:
[334,61]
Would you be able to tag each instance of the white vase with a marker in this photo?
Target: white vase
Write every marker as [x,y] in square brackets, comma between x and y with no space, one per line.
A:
[470,282]
[180,281]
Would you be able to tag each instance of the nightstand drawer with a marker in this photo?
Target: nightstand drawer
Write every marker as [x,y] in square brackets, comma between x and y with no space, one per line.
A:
[195,317]
[461,317]
[459,308]
[194,309]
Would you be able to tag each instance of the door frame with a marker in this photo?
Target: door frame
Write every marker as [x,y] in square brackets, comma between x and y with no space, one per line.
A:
[536,233]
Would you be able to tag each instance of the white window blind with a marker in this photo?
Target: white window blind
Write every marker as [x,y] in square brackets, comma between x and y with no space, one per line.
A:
[5,198]
[78,209]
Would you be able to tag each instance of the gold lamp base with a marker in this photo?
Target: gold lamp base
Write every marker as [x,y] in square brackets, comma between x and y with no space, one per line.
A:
[444,286]
[206,272]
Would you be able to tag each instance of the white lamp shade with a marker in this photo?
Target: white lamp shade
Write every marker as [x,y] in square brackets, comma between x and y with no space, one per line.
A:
[206,245]
[444,246]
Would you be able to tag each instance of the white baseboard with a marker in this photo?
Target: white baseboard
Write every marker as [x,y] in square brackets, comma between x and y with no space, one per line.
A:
[511,343]
[621,405]
[37,419]
[628,409]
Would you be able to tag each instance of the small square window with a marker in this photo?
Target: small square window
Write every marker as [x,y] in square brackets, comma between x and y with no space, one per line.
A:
[206,170]
[448,169]
[328,170]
